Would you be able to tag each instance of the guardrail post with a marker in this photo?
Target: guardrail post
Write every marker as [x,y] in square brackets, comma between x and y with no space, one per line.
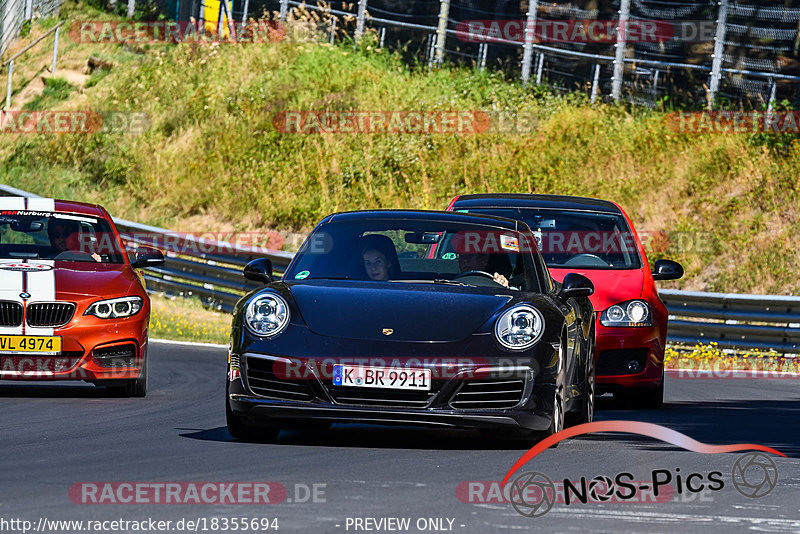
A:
[441,32]
[622,41]
[333,29]
[530,36]
[131,8]
[244,13]
[362,14]
[655,85]
[431,48]
[382,36]
[719,48]
[8,91]
[595,83]
[284,10]
[55,51]
[483,51]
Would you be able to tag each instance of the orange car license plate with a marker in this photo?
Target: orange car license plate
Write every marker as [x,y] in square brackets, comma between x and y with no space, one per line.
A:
[30,345]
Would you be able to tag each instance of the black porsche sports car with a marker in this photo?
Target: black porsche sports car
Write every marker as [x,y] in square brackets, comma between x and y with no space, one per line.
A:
[416,318]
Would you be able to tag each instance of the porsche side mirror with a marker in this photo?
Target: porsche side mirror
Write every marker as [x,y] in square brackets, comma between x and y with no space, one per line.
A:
[259,270]
[147,257]
[667,270]
[576,286]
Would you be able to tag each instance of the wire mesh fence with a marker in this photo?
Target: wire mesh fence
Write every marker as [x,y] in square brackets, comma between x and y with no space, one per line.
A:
[691,53]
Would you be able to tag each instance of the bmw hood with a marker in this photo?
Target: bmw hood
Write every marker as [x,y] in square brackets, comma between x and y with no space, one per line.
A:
[395,311]
[610,286]
[47,280]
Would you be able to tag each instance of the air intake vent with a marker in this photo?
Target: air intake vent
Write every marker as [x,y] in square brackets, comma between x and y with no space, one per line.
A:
[10,313]
[489,394]
[50,313]
[263,382]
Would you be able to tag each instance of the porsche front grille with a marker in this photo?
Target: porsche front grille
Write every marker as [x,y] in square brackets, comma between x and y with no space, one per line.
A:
[386,398]
[10,313]
[50,314]
[489,393]
[263,382]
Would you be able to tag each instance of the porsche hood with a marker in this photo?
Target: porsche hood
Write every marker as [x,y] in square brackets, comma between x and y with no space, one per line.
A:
[397,312]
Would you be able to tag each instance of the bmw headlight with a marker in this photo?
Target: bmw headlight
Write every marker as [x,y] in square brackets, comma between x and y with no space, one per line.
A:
[115,308]
[267,315]
[519,328]
[630,313]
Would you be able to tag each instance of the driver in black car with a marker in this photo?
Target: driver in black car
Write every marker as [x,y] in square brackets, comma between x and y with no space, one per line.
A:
[65,237]
[476,261]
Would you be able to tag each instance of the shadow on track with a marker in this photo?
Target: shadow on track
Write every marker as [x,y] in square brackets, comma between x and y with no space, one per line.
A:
[53,391]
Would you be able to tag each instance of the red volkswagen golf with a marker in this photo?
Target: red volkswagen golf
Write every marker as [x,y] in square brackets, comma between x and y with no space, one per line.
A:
[72,306]
[596,239]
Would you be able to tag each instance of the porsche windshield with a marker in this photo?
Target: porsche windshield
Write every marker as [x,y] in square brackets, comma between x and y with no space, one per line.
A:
[424,251]
[573,239]
[57,236]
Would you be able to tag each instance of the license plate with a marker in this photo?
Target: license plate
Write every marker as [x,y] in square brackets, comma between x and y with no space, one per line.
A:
[382,377]
[30,345]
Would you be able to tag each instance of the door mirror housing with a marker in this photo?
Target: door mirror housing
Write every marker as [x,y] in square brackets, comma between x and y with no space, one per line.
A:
[147,257]
[259,270]
[667,270]
[576,286]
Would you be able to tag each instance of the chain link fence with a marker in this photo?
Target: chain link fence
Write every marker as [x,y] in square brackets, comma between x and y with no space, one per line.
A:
[14,13]
[690,53]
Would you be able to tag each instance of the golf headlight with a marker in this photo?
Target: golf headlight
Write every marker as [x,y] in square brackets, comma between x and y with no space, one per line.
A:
[115,308]
[519,328]
[630,313]
[267,315]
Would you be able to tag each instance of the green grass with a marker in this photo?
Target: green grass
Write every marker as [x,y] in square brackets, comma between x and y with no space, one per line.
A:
[213,159]
[55,90]
[187,320]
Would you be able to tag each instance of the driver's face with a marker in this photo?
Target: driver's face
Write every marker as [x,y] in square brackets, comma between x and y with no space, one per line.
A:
[473,262]
[59,235]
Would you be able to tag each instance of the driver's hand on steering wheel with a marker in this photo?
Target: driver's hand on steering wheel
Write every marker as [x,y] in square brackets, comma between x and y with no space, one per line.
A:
[500,279]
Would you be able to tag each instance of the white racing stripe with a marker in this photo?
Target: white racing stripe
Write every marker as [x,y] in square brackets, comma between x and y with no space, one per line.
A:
[12,203]
[42,287]
[10,288]
[41,204]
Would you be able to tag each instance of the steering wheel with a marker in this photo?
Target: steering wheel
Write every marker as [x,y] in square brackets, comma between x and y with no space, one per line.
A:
[474,273]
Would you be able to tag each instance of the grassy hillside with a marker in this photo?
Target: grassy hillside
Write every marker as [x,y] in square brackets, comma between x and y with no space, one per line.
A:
[212,158]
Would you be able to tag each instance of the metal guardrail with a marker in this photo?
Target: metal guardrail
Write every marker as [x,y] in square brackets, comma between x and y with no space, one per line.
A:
[731,320]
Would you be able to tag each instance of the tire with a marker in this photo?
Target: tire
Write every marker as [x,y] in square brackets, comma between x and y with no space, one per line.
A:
[133,388]
[242,432]
[586,415]
[557,422]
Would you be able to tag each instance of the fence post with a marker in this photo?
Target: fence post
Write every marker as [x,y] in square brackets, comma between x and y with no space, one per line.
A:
[55,51]
[131,8]
[441,32]
[655,86]
[383,36]
[483,51]
[622,40]
[530,36]
[595,83]
[244,13]
[539,69]
[773,90]
[362,14]
[284,10]
[28,10]
[8,91]
[219,19]
[719,48]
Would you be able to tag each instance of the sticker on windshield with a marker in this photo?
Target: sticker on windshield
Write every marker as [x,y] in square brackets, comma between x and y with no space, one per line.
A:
[302,275]
[449,256]
[509,243]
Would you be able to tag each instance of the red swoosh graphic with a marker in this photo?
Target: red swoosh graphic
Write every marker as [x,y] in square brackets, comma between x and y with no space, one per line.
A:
[634,427]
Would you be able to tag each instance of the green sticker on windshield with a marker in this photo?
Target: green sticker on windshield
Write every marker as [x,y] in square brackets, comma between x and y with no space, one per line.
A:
[449,256]
[302,275]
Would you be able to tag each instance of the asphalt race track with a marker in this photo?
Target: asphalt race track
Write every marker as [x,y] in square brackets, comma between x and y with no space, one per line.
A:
[54,436]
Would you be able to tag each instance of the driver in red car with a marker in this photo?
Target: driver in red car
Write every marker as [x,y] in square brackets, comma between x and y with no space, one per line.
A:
[65,236]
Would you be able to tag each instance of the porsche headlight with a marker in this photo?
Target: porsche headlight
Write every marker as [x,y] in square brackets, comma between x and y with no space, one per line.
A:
[519,328]
[115,308]
[631,313]
[267,315]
